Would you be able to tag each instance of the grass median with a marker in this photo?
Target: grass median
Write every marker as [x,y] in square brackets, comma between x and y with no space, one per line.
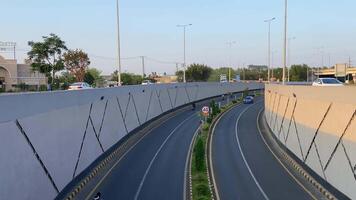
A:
[199,169]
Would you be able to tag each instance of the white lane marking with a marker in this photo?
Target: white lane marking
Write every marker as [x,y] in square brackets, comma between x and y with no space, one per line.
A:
[155,156]
[187,161]
[211,151]
[124,155]
[279,160]
[243,156]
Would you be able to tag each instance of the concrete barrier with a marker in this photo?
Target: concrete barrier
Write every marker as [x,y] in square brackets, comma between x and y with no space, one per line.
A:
[318,125]
[47,139]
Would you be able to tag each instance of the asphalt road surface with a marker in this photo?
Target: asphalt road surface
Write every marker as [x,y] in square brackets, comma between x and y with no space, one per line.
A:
[155,167]
[244,167]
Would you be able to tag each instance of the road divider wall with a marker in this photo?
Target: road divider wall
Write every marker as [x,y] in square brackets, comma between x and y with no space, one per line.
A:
[47,139]
[318,125]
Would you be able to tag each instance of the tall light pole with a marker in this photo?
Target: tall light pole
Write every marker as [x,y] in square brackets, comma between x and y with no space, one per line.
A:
[272,64]
[269,21]
[285,42]
[289,55]
[230,44]
[184,26]
[118,44]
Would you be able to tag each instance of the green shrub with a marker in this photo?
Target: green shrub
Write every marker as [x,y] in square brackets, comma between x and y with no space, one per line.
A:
[206,126]
[199,155]
[209,120]
[234,101]
[202,190]
[43,88]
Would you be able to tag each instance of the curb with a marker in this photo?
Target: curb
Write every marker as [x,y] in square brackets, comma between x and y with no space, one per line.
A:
[292,163]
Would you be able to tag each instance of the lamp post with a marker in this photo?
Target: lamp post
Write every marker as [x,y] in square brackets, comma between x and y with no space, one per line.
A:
[289,55]
[230,44]
[118,44]
[285,42]
[269,21]
[184,26]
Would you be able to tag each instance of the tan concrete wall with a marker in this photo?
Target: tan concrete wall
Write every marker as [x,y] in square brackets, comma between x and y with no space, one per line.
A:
[318,124]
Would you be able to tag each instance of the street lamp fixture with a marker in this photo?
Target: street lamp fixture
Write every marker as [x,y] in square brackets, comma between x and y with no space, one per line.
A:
[269,21]
[184,26]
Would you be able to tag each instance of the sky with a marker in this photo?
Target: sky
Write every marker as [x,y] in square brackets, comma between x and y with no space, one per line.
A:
[325,31]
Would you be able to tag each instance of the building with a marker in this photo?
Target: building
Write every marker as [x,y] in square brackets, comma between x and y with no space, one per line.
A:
[12,75]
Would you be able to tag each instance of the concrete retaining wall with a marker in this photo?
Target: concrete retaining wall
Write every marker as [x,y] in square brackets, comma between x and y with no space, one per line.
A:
[47,139]
[318,125]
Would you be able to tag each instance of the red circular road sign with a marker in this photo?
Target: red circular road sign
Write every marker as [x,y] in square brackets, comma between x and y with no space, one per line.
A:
[205,110]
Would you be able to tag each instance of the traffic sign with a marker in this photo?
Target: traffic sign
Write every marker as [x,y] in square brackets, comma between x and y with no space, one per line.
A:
[205,110]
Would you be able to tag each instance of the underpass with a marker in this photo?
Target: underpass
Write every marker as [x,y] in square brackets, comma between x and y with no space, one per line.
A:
[133,143]
[244,167]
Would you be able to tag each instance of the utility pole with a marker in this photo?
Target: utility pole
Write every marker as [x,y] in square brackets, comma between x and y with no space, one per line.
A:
[184,49]
[269,21]
[230,44]
[285,42]
[289,55]
[143,67]
[118,44]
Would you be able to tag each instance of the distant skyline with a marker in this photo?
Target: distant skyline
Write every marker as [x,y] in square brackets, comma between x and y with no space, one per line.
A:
[148,28]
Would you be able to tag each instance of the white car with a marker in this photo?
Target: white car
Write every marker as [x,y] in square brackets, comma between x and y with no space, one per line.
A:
[327,82]
[80,86]
[146,82]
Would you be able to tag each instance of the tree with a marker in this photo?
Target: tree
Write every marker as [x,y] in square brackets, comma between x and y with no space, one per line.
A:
[76,62]
[198,72]
[47,56]
[298,72]
[89,78]
[93,77]
[127,78]
[215,75]
[180,75]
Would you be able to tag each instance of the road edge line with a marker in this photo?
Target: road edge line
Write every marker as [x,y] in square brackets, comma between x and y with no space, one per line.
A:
[299,169]
[243,155]
[188,168]
[209,153]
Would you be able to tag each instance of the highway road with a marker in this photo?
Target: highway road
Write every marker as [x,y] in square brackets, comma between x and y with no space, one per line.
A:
[155,168]
[244,167]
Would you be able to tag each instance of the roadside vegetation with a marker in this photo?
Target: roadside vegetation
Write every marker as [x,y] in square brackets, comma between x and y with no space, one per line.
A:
[199,168]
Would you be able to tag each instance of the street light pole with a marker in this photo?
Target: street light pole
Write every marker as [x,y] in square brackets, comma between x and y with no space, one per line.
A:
[184,26]
[269,21]
[289,55]
[118,44]
[230,44]
[285,42]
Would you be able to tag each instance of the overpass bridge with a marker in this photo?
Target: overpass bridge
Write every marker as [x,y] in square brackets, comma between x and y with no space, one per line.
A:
[132,143]
[348,72]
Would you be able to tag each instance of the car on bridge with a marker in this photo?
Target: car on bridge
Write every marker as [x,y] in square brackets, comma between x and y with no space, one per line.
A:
[248,100]
[80,86]
[327,82]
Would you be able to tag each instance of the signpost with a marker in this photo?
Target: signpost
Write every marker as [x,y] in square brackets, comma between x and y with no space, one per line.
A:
[205,111]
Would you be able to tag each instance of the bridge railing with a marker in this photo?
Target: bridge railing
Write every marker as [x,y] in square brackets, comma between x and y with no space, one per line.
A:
[47,139]
[318,125]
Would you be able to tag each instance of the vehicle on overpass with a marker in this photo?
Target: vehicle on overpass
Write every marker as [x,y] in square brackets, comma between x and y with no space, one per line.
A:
[80,86]
[327,82]
[146,82]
